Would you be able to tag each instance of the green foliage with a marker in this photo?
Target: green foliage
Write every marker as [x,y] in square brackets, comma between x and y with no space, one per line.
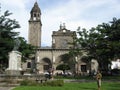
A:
[47,83]
[75,86]
[24,83]
[7,40]
[101,42]
[68,61]
[115,71]
[25,49]
[65,58]
[7,36]
[28,83]
[63,67]
[54,83]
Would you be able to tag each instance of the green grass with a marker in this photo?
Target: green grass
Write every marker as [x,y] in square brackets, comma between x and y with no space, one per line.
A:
[75,86]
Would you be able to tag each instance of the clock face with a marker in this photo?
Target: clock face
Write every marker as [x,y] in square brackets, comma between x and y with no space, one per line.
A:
[34,18]
[64,31]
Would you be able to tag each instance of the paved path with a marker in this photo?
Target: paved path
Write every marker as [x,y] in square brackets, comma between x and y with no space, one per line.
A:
[6,88]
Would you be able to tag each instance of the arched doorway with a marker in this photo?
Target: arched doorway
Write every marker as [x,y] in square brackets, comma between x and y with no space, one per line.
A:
[29,65]
[63,67]
[46,64]
[63,64]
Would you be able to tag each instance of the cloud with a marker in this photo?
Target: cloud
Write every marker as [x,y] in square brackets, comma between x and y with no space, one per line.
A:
[14,4]
[84,13]
[18,8]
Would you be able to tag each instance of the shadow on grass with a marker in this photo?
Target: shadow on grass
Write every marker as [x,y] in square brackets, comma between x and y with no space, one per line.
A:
[87,88]
[111,86]
[114,86]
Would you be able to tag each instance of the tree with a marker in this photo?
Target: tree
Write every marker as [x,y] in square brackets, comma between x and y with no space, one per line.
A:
[26,49]
[101,42]
[69,62]
[7,40]
[63,67]
[7,36]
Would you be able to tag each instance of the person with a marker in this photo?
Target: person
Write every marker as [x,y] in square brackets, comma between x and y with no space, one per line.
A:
[98,78]
[16,44]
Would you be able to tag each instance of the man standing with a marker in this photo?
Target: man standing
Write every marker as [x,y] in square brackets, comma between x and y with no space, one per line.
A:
[98,78]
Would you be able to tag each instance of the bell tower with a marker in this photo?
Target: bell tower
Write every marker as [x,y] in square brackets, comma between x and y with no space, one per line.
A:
[34,37]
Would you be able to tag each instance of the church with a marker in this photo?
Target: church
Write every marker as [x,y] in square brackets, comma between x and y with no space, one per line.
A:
[51,57]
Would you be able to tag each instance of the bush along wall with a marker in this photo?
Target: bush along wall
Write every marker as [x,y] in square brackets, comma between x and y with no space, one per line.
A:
[46,83]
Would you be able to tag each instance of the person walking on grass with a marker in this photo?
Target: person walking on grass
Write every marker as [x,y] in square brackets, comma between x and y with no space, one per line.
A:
[98,78]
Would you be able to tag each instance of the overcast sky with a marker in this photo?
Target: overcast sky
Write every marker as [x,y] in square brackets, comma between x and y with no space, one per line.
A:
[74,13]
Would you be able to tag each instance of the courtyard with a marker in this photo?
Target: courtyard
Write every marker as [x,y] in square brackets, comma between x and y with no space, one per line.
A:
[82,83]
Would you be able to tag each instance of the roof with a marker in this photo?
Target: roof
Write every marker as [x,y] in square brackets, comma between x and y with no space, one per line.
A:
[36,8]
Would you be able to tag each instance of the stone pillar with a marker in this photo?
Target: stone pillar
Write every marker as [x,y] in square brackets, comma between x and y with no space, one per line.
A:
[14,66]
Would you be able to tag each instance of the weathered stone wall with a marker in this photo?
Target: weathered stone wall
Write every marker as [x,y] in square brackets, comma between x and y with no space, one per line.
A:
[35,33]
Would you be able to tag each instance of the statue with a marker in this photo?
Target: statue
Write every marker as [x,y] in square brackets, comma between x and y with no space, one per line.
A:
[16,44]
[14,66]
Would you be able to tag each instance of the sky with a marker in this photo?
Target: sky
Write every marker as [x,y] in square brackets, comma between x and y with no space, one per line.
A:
[74,13]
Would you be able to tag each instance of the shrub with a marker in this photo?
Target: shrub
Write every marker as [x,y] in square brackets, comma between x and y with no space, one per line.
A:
[24,83]
[115,71]
[55,83]
[47,83]
[28,83]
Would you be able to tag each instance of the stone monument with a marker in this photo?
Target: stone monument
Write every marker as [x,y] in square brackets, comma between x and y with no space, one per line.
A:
[14,66]
[94,66]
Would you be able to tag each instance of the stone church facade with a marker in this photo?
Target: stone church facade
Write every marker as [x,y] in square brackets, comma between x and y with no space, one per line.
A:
[50,57]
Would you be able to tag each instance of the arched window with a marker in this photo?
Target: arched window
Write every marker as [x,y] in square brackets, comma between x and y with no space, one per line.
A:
[29,65]
[83,68]
[34,14]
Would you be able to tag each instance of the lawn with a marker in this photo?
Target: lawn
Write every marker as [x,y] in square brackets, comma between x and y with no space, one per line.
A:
[75,86]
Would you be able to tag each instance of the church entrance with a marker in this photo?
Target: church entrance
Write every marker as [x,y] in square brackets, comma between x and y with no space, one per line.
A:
[46,64]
